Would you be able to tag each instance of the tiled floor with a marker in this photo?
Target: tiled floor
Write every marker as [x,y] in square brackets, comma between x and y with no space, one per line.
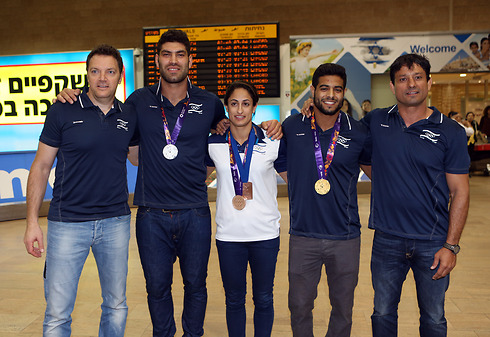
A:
[467,306]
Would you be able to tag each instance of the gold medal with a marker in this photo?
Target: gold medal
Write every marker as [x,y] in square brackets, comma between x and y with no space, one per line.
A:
[238,202]
[322,186]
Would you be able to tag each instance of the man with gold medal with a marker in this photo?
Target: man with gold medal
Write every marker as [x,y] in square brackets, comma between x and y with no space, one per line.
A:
[323,155]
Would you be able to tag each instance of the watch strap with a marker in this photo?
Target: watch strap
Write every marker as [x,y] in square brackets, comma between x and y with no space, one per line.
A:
[453,248]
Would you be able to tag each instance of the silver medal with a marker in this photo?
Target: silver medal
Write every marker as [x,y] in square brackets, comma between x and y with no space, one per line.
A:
[170,151]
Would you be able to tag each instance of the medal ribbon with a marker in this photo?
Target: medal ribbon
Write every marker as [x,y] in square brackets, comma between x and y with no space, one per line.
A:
[323,169]
[172,139]
[236,164]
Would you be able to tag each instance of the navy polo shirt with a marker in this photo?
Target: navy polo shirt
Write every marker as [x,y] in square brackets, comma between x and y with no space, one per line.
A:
[178,183]
[92,147]
[410,195]
[335,215]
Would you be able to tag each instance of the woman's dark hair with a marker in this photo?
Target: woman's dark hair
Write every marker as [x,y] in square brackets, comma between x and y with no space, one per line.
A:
[486,111]
[244,85]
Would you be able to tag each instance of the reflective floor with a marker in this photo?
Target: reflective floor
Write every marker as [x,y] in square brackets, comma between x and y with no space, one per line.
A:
[467,301]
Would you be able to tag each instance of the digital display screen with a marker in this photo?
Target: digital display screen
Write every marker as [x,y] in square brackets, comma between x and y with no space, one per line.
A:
[224,54]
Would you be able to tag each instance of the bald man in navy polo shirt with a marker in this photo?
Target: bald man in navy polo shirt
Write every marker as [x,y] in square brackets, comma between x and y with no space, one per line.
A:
[89,209]
[419,166]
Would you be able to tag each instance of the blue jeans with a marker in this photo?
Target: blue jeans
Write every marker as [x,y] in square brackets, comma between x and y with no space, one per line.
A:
[233,260]
[68,245]
[162,237]
[392,257]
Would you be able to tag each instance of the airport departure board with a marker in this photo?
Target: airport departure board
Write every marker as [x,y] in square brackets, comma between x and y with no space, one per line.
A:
[223,54]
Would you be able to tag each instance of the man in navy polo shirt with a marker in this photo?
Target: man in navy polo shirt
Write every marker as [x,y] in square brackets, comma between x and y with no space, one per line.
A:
[419,167]
[173,219]
[323,156]
[89,209]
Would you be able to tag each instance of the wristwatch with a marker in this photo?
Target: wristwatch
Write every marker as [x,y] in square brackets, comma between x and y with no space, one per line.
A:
[453,248]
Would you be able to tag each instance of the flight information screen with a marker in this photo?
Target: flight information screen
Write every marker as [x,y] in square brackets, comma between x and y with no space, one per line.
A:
[223,54]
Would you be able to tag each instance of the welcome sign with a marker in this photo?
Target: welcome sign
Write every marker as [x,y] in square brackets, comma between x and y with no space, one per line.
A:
[363,56]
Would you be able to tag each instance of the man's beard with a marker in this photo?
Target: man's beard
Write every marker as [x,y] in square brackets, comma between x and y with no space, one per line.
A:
[172,78]
[319,106]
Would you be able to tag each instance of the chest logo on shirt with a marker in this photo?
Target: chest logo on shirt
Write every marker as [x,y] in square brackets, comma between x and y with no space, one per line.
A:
[122,124]
[259,148]
[343,142]
[429,135]
[195,108]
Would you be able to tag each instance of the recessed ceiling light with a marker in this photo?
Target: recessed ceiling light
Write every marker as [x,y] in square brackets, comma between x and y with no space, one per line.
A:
[462,75]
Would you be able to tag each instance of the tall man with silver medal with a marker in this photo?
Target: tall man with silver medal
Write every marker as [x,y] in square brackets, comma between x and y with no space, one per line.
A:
[173,220]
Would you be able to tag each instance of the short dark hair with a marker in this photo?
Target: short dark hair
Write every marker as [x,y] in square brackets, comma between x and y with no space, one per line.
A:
[474,44]
[244,85]
[174,35]
[107,50]
[329,69]
[452,113]
[408,60]
[469,112]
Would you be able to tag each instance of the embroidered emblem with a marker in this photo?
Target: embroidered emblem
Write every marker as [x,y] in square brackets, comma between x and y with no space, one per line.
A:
[429,135]
[259,148]
[343,141]
[122,124]
[195,108]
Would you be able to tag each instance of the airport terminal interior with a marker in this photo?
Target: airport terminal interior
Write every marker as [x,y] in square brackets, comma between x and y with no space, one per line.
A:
[362,34]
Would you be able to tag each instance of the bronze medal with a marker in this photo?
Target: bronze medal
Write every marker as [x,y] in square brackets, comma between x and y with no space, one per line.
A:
[247,191]
[322,186]
[238,202]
